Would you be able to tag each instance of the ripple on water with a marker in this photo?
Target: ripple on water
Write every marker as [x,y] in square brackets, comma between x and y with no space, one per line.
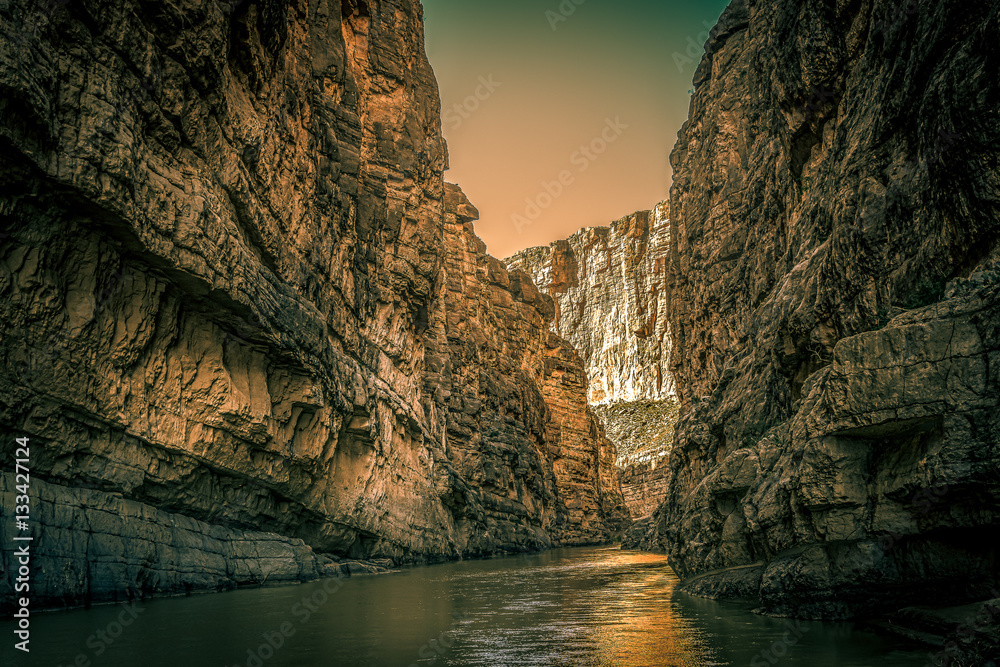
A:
[570,607]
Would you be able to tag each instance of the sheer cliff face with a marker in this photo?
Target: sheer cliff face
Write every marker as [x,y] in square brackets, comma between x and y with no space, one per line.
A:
[833,286]
[611,303]
[607,284]
[520,444]
[233,305]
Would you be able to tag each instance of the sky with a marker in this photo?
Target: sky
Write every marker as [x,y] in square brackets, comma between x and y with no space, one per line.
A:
[561,114]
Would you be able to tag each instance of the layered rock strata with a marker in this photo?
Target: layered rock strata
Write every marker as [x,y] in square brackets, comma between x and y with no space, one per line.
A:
[833,287]
[611,303]
[644,486]
[520,439]
[607,284]
[643,432]
[245,319]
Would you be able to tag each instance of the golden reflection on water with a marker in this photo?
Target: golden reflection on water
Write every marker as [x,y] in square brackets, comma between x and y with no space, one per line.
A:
[650,636]
[640,627]
[584,607]
[605,608]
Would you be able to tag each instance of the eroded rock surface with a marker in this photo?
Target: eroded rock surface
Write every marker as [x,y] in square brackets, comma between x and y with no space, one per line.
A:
[238,296]
[833,288]
[608,287]
[644,485]
[607,284]
[643,433]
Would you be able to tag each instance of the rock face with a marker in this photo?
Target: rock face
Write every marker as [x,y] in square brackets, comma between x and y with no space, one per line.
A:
[643,432]
[245,318]
[644,485]
[611,305]
[520,441]
[581,448]
[608,287]
[833,285]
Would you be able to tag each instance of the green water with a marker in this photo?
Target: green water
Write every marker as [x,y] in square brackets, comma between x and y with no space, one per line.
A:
[591,607]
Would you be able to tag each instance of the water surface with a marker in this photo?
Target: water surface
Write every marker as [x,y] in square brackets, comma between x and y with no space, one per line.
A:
[588,607]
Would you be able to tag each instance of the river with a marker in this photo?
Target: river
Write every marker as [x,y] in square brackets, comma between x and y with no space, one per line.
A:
[583,607]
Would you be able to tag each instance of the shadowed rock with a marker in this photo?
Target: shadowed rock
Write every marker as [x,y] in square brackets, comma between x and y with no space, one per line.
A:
[833,287]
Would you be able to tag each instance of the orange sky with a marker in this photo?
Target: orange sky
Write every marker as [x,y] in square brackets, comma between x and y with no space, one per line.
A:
[562,114]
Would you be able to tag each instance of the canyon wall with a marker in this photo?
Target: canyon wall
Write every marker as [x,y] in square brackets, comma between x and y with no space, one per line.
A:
[607,284]
[644,486]
[611,305]
[833,284]
[248,328]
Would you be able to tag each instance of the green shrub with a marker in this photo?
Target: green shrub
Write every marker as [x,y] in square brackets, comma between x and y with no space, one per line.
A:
[929,290]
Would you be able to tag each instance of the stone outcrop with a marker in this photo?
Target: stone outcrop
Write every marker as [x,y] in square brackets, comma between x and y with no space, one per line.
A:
[245,318]
[643,432]
[607,284]
[833,286]
[520,440]
[597,504]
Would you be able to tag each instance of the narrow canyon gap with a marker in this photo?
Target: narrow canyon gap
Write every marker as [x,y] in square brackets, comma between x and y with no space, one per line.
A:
[609,289]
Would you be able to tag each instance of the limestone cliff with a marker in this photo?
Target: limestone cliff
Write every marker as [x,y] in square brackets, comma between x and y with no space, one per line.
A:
[611,304]
[246,324]
[833,286]
[520,439]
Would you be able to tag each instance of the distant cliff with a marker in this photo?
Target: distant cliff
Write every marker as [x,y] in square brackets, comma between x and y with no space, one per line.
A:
[611,304]
[833,286]
[608,284]
[247,326]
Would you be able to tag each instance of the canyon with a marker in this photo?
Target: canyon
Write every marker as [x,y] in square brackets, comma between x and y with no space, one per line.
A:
[249,330]
[253,337]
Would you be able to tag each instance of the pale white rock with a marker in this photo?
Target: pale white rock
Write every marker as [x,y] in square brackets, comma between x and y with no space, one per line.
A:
[608,286]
